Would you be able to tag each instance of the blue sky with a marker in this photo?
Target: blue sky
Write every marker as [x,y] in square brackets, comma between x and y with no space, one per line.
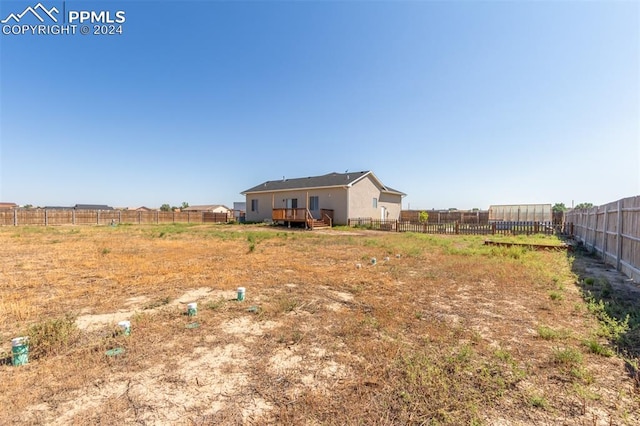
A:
[458,104]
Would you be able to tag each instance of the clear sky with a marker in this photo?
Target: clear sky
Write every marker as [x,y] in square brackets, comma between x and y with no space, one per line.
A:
[458,104]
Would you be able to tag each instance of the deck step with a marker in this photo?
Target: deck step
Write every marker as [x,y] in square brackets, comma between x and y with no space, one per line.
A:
[319,224]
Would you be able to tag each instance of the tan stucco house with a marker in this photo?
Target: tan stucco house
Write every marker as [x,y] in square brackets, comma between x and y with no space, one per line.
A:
[332,198]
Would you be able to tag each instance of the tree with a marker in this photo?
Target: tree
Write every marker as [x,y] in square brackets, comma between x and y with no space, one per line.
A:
[559,207]
[165,208]
[28,206]
[584,206]
[423,217]
[184,205]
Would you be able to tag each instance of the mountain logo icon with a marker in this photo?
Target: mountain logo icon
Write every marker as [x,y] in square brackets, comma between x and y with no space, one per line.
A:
[38,11]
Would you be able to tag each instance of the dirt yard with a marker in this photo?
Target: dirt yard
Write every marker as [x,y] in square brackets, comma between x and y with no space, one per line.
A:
[435,330]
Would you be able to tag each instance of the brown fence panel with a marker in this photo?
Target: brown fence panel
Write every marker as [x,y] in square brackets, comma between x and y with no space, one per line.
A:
[210,217]
[130,216]
[30,217]
[108,217]
[59,217]
[86,217]
[509,228]
[7,217]
[165,217]
[148,217]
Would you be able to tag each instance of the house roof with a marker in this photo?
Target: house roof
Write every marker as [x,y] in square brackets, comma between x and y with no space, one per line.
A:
[8,205]
[92,207]
[205,207]
[325,181]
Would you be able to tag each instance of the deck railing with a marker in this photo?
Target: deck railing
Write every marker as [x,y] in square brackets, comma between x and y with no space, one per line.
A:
[291,215]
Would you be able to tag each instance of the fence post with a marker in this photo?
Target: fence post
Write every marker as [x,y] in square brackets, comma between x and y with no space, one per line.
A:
[605,224]
[619,237]
[457,228]
[46,217]
[15,217]
[493,228]
[73,216]
[98,217]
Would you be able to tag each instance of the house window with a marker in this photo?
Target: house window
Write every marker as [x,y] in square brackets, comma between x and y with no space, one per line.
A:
[314,203]
[375,203]
[254,205]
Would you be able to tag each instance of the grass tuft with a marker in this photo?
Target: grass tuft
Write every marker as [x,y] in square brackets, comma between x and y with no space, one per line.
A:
[52,336]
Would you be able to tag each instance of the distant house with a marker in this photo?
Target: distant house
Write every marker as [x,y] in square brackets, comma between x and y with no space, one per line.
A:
[92,207]
[211,208]
[335,196]
[8,206]
[140,209]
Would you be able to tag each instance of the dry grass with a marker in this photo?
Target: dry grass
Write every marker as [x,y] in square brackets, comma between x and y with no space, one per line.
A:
[448,332]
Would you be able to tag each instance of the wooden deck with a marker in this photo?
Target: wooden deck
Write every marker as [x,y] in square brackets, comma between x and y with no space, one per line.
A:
[303,215]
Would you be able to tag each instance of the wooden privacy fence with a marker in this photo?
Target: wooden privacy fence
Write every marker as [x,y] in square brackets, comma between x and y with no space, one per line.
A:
[613,231]
[47,217]
[456,228]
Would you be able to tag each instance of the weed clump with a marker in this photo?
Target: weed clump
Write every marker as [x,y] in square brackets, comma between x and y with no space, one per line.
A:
[52,336]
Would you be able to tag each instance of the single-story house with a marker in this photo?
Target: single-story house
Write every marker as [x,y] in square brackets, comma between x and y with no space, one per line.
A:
[9,206]
[334,196]
[211,208]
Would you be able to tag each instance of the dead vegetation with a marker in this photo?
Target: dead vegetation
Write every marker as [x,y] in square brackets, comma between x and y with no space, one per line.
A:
[440,330]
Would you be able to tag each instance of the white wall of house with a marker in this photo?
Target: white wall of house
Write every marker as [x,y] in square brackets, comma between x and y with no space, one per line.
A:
[258,207]
[361,199]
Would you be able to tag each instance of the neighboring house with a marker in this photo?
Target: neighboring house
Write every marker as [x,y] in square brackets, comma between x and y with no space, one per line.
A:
[339,196]
[139,209]
[92,207]
[211,208]
[9,206]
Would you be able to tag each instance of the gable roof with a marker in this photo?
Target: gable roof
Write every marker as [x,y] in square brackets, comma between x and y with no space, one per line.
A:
[325,181]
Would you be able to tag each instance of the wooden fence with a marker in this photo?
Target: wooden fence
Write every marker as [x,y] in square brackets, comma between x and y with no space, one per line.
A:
[47,217]
[613,231]
[447,216]
[478,217]
[455,228]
